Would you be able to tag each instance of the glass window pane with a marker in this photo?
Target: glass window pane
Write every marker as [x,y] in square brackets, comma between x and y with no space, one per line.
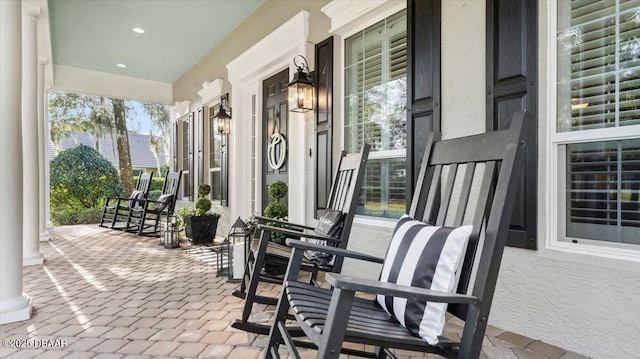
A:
[216,186]
[353,48]
[383,192]
[603,184]
[375,111]
[598,65]
[629,55]
[354,108]
[185,145]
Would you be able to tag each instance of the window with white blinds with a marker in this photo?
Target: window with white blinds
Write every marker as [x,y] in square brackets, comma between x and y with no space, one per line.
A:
[215,156]
[375,112]
[186,159]
[599,97]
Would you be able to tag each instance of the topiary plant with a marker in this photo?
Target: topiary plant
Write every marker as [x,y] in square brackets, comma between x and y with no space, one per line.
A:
[203,204]
[278,190]
[277,209]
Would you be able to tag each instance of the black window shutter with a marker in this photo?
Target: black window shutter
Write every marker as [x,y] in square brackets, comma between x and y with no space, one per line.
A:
[200,129]
[191,159]
[174,148]
[323,121]
[423,82]
[512,86]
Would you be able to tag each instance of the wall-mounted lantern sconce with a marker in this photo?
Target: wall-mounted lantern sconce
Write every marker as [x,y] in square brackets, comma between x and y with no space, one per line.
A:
[301,87]
[224,115]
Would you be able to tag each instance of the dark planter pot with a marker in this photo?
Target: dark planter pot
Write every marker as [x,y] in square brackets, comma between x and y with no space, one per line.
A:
[201,229]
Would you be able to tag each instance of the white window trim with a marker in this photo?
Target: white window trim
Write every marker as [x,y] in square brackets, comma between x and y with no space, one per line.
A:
[347,19]
[291,39]
[556,169]
[210,94]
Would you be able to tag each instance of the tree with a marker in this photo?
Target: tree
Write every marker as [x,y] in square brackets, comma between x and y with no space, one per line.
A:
[69,113]
[80,177]
[160,132]
[100,116]
[122,139]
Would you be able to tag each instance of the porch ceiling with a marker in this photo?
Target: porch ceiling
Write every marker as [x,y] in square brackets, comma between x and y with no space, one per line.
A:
[98,35]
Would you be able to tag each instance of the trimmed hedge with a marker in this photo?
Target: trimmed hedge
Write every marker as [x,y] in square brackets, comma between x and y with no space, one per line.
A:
[156,183]
[65,217]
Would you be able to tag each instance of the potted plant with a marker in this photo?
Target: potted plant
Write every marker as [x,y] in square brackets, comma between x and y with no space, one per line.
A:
[200,223]
[276,209]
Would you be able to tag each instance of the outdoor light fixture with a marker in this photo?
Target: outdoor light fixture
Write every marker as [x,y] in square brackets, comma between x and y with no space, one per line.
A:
[301,87]
[224,115]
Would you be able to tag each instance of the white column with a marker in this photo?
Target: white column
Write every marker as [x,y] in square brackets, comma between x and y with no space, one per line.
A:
[42,149]
[31,191]
[47,137]
[14,304]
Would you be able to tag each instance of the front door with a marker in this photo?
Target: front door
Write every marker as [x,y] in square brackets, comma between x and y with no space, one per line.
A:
[275,134]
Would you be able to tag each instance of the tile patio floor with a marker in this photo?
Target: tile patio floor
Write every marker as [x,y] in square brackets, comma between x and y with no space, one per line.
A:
[115,295]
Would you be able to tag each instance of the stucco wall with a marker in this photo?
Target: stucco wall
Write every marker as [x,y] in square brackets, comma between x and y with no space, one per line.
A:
[579,302]
[582,303]
[267,18]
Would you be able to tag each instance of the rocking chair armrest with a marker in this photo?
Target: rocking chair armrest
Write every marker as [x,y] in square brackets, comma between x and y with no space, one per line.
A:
[294,243]
[267,219]
[295,234]
[373,286]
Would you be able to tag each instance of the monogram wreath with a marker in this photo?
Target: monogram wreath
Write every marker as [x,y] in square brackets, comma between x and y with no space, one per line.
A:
[276,157]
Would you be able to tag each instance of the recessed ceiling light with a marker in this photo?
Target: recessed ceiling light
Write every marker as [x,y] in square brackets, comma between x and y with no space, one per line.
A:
[138,30]
[121,65]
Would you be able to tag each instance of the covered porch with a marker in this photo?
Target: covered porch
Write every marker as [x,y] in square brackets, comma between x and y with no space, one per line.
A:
[111,294]
[106,294]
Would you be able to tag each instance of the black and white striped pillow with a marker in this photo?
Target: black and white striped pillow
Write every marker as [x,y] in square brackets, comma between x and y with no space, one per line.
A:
[424,256]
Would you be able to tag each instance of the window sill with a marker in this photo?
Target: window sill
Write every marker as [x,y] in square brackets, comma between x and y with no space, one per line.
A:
[597,255]
[369,221]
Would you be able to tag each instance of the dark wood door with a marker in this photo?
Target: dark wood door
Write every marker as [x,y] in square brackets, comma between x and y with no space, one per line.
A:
[275,135]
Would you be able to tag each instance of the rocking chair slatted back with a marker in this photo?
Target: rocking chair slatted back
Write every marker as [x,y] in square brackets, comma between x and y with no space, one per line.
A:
[144,183]
[118,208]
[457,187]
[348,179]
[149,217]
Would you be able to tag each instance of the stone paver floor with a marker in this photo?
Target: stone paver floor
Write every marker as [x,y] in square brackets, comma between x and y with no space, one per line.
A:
[107,294]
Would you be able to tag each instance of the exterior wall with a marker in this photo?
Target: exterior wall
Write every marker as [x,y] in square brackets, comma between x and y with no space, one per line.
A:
[579,302]
[265,20]
[582,303]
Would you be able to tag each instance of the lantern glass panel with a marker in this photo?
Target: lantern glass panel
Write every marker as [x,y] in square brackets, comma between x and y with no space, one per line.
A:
[300,97]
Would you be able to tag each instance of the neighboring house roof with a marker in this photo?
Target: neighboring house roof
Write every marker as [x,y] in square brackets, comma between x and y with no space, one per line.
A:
[141,155]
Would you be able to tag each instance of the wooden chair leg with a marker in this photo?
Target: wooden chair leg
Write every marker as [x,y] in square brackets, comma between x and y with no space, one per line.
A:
[251,259]
[255,276]
[471,348]
[380,353]
[336,325]
[115,215]
[282,309]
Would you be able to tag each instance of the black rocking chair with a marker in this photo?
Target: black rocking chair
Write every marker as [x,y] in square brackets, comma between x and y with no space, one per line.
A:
[147,216]
[117,209]
[471,180]
[343,199]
